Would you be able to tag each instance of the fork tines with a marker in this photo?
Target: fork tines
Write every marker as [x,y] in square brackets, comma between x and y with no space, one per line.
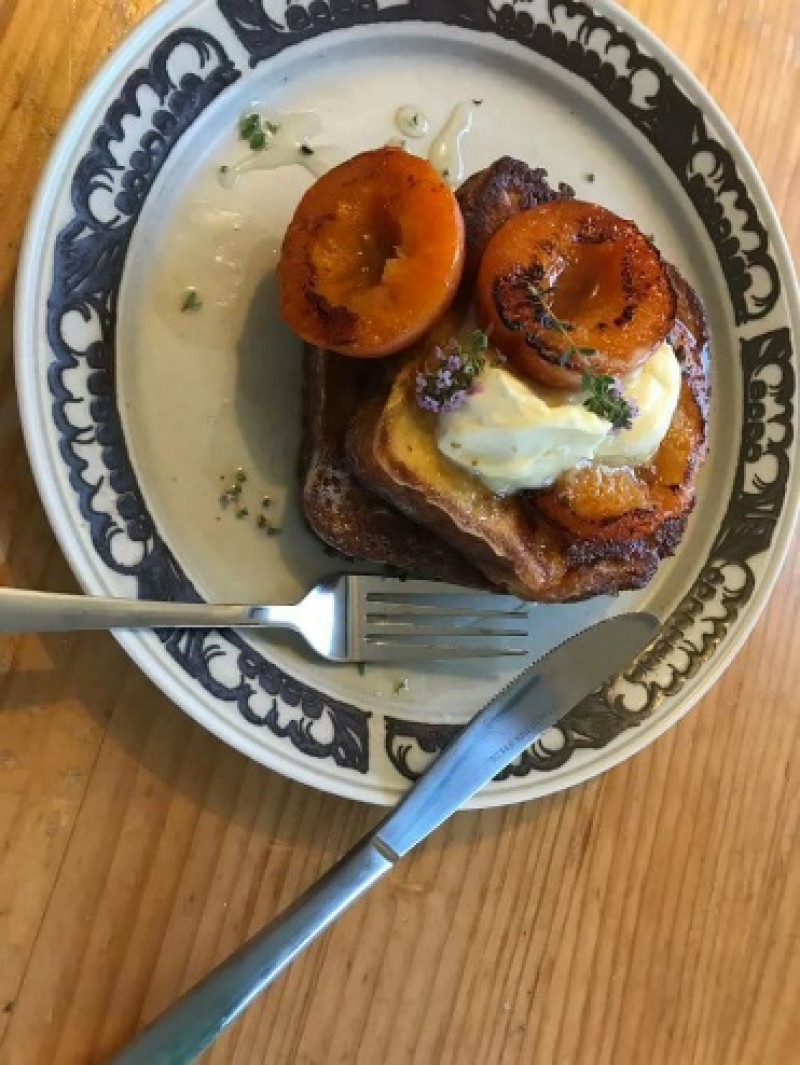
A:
[411,619]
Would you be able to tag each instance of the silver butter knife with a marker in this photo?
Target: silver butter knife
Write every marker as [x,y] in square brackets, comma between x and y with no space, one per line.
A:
[511,722]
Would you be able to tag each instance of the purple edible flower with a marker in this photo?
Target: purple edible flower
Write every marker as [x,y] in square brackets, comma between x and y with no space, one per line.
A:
[451,374]
[454,401]
[627,418]
[428,403]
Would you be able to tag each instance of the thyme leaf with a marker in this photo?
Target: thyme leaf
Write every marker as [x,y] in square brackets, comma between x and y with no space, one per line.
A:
[605,399]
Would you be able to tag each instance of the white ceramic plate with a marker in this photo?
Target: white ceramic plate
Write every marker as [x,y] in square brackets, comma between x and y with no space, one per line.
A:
[133,411]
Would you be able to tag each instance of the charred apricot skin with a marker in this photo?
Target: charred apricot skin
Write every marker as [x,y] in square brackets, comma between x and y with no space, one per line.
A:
[599,504]
[569,287]
[604,512]
[373,255]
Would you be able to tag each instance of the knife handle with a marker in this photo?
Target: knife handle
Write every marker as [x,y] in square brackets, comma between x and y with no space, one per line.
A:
[184,1031]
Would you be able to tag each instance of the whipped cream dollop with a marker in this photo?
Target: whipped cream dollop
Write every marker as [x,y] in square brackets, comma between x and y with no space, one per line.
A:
[514,434]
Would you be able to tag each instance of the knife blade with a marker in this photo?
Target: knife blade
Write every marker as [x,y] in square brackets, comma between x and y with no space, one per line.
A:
[514,719]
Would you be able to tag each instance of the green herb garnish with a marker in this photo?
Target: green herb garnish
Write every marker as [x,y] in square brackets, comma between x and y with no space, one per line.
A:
[254,130]
[549,320]
[191,300]
[605,399]
[479,341]
[249,124]
[306,149]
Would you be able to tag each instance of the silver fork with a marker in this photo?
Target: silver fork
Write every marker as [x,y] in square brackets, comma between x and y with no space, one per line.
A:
[347,619]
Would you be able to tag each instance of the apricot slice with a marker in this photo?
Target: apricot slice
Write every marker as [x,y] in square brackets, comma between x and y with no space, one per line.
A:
[372,256]
[569,287]
[595,503]
[620,509]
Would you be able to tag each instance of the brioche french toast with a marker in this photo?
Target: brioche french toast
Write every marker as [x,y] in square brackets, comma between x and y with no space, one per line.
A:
[376,486]
[343,513]
[338,507]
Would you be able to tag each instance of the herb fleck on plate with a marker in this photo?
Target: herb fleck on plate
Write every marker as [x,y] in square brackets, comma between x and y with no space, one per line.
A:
[191,300]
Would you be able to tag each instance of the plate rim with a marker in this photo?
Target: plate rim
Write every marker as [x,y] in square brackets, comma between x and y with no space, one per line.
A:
[156,24]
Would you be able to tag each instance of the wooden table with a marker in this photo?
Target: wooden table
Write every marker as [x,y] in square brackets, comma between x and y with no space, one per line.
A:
[652,916]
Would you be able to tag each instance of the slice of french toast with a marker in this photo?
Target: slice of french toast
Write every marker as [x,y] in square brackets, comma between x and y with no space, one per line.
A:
[375,485]
[339,509]
[342,512]
[595,532]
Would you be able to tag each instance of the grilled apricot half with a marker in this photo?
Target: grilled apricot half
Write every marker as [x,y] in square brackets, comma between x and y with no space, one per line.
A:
[372,256]
[616,512]
[596,504]
[569,287]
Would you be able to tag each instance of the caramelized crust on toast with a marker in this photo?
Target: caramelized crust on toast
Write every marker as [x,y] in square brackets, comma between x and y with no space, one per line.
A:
[492,196]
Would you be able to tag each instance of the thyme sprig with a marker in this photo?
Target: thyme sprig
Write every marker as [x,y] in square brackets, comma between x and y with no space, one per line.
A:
[606,400]
[191,300]
[604,392]
[550,320]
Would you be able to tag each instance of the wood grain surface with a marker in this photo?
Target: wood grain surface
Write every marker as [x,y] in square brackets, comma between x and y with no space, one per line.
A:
[652,916]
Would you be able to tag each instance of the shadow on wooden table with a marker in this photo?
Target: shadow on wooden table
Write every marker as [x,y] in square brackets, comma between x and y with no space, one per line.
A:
[89,681]
[89,678]
[175,847]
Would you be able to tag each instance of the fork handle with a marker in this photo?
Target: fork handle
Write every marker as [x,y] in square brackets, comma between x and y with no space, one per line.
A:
[25,611]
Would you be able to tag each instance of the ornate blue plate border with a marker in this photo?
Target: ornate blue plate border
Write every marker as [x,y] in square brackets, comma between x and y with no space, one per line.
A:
[88,264]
